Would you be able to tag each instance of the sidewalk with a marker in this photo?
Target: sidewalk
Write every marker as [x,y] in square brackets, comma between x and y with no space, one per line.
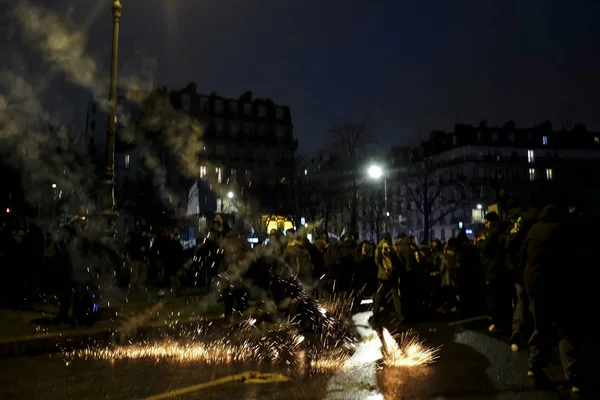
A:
[34,331]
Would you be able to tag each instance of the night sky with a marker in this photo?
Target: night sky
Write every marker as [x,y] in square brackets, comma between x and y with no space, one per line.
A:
[408,68]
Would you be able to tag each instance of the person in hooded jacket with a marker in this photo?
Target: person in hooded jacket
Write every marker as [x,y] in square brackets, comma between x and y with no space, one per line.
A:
[551,292]
[388,273]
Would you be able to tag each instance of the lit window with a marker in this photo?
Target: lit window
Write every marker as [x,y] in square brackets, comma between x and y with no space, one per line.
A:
[549,174]
[530,156]
[532,174]
[305,172]
[202,171]
[597,140]
[126,160]
[545,140]
[248,109]
[219,172]
[279,113]
[262,111]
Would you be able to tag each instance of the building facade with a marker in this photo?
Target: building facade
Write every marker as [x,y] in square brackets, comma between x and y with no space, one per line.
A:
[247,165]
[452,179]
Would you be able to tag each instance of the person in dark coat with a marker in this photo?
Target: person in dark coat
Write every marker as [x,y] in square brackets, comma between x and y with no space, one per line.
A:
[343,264]
[522,319]
[471,277]
[499,285]
[409,274]
[552,291]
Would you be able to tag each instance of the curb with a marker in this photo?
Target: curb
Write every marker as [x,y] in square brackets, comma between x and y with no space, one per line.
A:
[58,342]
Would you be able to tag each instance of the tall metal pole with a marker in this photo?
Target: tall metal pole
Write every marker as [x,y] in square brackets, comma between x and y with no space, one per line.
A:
[385,195]
[385,205]
[108,201]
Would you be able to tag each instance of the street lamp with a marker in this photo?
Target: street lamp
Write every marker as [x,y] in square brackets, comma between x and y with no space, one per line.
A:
[230,195]
[376,172]
[108,182]
[480,208]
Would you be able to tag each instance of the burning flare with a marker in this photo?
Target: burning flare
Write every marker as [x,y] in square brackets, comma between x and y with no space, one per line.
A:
[411,352]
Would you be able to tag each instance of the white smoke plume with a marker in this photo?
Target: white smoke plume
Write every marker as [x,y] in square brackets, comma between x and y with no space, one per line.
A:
[60,156]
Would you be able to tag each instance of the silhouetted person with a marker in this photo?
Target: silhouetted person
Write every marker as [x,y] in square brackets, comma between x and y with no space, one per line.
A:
[552,289]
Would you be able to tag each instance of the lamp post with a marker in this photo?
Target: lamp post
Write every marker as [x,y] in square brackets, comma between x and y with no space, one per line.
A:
[108,182]
[375,172]
[480,208]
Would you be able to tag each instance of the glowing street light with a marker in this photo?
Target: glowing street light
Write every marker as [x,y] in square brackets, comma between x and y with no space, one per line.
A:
[54,186]
[230,195]
[375,172]
[479,206]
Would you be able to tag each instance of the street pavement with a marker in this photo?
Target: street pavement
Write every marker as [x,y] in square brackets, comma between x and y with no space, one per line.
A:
[34,330]
[472,365]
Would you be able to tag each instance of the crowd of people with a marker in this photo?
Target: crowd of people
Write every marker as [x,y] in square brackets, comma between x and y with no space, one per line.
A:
[523,273]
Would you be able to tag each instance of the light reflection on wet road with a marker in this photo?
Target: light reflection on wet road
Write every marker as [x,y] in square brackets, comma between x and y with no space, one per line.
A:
[471,365]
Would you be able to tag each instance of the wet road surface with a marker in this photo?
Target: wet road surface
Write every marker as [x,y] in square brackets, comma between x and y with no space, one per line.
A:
[472,364]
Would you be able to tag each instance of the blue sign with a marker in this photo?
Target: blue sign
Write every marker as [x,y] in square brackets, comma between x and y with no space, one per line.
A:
[469,231]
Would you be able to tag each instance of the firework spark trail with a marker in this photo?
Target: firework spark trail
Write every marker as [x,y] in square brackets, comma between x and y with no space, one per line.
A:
[410,352]
[280,343]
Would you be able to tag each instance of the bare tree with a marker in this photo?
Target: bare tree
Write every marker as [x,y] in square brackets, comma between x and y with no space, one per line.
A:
[433,191]
[349,139]
[372,213]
